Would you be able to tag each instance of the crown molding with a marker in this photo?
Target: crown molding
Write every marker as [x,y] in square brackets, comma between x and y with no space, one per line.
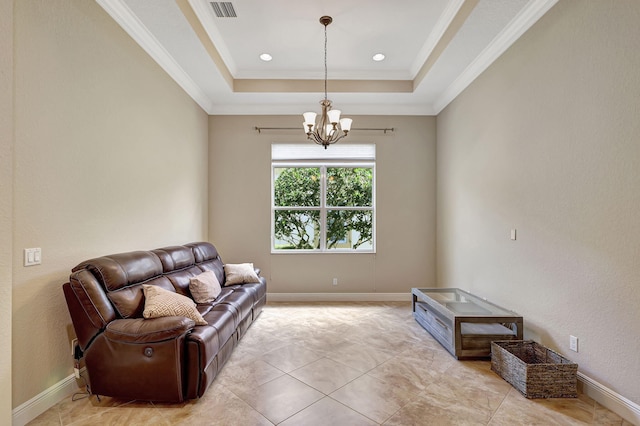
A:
[127,20]
[205,15]
[528,16]
[297,109]
[443,22]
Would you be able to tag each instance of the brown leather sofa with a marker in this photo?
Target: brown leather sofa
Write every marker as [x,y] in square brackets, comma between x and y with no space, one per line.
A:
[161,359]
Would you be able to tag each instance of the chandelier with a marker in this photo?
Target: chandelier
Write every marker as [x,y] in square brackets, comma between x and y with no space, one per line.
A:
[326,131]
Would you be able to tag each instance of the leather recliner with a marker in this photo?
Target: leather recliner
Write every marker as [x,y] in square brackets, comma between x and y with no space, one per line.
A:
[161,359]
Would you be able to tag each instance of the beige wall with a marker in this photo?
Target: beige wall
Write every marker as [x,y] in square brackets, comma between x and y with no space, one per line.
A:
[6,203]
[239,205]
[110,156]
[546,141]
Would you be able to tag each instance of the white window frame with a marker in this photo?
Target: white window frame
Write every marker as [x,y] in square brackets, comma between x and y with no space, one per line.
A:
[287,155]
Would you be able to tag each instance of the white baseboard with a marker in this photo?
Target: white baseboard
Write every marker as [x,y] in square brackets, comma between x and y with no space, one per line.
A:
[46,399]
[615,402]
[40,403]
[37,405]
[338,297]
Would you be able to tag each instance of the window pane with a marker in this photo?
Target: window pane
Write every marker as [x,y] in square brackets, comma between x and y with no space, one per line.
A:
[297,229]
[350,186]
[349,229]
[296,187]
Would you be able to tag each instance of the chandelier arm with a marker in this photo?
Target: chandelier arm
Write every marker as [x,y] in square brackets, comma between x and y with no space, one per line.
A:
[323,142]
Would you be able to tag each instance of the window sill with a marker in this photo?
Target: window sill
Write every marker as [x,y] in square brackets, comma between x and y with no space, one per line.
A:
[279,252]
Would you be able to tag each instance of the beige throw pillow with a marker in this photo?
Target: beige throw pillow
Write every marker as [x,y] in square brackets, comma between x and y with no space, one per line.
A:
[205,287]
[159,302]
[240,273]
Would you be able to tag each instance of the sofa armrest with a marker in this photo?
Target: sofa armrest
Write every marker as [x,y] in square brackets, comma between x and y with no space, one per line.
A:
[139,330]
[139,358]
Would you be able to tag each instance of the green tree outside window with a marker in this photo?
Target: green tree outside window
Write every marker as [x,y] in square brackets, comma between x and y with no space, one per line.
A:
[348,204]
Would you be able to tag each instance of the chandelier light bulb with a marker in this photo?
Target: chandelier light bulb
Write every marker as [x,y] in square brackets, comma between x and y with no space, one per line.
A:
[334,116]
[345,124]
[309,117]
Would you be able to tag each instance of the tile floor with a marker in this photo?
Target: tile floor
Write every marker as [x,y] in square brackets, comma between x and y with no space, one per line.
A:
[342,364]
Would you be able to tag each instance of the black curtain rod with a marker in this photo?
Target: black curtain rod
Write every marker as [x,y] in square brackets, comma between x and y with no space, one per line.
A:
[385,130]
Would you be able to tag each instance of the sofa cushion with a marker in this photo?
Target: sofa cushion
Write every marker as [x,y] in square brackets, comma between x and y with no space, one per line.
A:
[240,302]
[222,317]
[174,258]
[208,259]
[240,273]
[129,301]
[164,303]
[205,287]
[122,270]
[181,278]
[203,251]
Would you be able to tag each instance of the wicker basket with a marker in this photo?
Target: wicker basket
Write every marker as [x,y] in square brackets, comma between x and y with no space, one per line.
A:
[536,371]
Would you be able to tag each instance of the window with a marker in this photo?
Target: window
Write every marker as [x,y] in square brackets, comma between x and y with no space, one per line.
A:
[323,200]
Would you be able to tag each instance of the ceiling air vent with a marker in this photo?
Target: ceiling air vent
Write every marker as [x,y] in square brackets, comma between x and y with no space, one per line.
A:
[224,9]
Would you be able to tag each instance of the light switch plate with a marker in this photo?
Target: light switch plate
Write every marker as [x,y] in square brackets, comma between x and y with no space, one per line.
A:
[32,256]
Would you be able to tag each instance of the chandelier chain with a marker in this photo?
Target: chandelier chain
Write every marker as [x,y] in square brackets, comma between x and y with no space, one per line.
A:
[325,62]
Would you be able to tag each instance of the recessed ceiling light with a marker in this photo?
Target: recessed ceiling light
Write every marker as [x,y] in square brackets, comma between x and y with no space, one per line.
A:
[266,57]
[378,57]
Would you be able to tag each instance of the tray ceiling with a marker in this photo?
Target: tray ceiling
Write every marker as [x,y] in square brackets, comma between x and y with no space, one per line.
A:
[433,50]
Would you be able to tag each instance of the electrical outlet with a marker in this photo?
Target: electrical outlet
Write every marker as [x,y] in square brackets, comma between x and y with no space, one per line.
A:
[335,281]
[573,343]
